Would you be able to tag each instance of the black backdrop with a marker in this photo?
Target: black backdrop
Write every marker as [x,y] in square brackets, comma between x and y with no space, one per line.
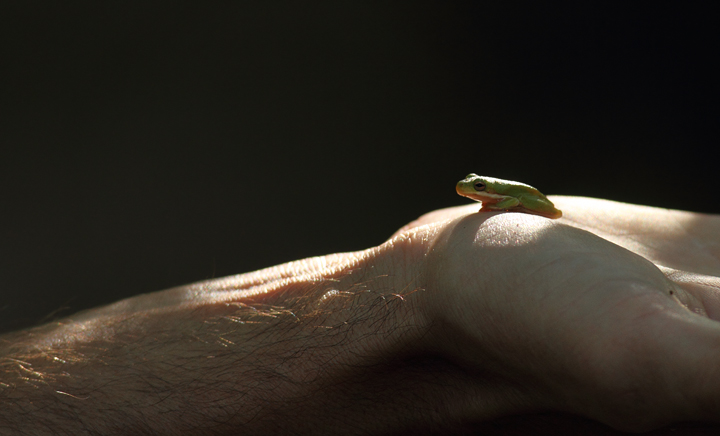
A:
[150,144]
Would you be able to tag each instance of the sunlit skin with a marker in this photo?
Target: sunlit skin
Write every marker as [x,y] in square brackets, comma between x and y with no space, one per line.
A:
[506,195]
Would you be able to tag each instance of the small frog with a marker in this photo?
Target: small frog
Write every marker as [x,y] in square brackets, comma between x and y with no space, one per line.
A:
[498,194]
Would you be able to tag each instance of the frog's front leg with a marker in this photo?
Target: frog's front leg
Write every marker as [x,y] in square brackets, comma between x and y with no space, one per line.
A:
[506,203]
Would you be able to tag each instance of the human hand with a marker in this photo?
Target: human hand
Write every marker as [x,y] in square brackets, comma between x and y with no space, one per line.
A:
[568,321]
[459,318]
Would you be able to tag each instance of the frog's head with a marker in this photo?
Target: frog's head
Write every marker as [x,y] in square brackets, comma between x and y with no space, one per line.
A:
[476,187]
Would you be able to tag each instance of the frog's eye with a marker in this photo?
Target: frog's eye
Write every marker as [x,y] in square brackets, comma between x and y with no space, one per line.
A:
[479,186]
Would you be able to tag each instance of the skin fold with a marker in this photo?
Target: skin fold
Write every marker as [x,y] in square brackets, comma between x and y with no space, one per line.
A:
[607,317]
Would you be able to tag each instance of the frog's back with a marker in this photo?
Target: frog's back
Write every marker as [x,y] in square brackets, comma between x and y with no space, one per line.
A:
[506,187]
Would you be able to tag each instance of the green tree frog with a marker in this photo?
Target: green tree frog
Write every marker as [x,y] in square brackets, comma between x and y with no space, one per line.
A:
[498,194]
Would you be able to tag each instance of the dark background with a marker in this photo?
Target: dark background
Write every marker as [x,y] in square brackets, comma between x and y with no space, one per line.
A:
[146,145]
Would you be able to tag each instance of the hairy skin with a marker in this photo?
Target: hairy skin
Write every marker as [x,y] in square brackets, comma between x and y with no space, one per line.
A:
[608,314]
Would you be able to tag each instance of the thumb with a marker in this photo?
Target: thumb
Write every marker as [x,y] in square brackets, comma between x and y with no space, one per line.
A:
[691,348]
[663,368]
